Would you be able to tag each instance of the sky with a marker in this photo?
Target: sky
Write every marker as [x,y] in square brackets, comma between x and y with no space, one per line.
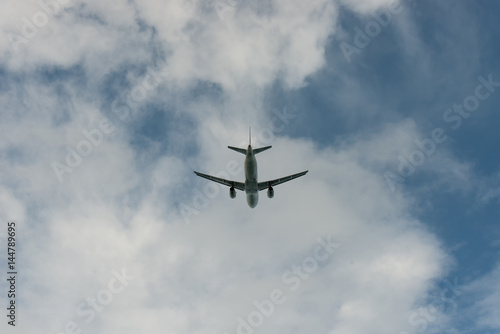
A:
[107,108]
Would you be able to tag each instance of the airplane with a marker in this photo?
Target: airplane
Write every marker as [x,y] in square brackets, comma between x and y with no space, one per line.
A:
[251,186]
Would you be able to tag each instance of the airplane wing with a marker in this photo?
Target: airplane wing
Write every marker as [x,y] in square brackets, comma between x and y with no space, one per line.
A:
[235,184]
[272,183]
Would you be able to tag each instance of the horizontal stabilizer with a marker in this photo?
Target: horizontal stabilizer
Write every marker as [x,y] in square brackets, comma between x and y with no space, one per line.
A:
[241,150]
[260,149]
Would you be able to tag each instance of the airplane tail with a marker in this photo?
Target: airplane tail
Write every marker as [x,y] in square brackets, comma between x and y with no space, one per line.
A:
[244,151]
[255,150]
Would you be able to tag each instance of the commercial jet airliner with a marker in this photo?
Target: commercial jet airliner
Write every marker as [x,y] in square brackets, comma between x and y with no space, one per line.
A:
[251,186]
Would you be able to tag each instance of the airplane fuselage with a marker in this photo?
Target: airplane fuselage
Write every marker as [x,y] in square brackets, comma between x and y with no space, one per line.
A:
[251,183]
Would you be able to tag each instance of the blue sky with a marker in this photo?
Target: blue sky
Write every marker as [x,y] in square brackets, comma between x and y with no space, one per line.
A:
[107,108]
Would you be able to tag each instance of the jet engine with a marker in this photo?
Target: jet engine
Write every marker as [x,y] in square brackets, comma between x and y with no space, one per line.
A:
[232,192]
[270,192]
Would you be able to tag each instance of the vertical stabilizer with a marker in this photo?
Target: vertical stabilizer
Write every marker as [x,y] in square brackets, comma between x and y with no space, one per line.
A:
[250,135]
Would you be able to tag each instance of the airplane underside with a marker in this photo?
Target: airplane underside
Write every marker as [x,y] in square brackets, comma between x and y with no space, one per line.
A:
[251,186]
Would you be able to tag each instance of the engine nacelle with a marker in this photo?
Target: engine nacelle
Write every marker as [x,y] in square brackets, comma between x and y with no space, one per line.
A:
[270,192]
[232,192]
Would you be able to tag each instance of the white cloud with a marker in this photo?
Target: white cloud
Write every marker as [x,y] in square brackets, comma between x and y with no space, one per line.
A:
[257,48]
[210,272]
[114,211]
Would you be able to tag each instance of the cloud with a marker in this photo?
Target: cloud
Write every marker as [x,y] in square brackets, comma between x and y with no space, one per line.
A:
[253,46]
[120,207]
[368,6]
[486,295]
[287,42]
[218,255]
[110,214]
